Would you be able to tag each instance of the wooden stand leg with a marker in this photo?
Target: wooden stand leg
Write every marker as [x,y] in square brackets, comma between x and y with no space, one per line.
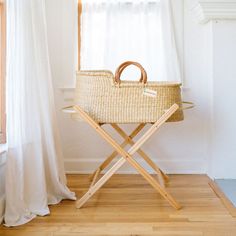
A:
[162,177]
[127,156]
[95,177]
[114,154]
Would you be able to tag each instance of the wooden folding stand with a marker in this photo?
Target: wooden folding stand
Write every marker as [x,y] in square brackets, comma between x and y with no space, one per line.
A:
[127,156]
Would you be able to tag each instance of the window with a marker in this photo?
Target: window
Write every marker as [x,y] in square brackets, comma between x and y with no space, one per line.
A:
[2,72]
[114,31]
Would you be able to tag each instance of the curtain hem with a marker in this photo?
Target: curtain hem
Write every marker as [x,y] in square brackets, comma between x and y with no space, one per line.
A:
[27,218]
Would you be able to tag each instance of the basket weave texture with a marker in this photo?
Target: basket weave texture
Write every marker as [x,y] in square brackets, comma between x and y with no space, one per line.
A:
[108,100]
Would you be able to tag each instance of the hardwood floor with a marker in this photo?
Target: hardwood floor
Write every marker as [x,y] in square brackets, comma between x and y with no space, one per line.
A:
[127,205]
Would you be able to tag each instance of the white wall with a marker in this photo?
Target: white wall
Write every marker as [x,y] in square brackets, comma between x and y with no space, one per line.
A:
[178,147]
[223,135]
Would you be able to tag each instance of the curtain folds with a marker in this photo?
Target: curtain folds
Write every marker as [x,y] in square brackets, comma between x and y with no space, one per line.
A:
[118,30]
[34,173]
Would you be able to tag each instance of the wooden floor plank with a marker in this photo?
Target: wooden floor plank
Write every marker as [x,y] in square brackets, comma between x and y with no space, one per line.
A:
[127,205]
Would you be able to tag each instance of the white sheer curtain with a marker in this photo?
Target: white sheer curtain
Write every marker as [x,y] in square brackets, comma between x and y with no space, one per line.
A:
[113,31]
[35,173]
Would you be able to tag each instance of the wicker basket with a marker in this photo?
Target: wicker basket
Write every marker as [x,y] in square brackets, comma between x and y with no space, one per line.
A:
[107,99]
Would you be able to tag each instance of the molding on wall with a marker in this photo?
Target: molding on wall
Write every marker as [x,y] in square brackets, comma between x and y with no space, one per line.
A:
[67,93]
[207,10]
[85,166]
[67,89]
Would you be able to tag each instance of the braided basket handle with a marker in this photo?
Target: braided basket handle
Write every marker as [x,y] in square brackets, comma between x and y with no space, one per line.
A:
[120,69]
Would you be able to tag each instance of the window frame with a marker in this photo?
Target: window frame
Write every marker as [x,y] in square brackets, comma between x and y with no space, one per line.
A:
[3,71]
[79,30]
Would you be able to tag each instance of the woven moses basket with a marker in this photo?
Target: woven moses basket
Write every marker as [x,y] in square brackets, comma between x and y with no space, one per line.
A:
[107,99]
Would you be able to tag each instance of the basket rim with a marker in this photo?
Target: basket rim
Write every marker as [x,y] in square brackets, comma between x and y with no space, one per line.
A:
[109,74]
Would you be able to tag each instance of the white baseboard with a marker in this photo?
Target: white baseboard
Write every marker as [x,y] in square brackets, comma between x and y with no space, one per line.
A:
[85,166]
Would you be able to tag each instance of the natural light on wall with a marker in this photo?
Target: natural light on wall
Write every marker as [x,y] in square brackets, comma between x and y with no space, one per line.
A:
[113,31]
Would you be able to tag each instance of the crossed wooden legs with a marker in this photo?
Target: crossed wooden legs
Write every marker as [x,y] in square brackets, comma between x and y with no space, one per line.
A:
[127,156]
[162,177]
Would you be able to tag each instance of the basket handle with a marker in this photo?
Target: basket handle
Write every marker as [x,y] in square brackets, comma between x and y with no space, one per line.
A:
[190,105]
[120,69]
